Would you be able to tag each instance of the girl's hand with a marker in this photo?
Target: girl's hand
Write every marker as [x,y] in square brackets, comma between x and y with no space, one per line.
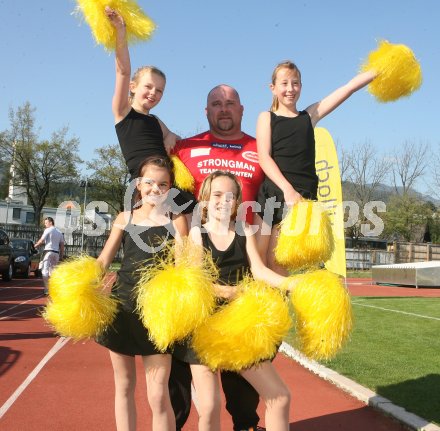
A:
[114,17]
[225,292]
[292,197]
[170,141]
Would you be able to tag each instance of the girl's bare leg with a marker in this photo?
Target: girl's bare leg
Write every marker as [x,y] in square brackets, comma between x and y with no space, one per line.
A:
[157,372]
[274,392]
[124,371]
[207,388]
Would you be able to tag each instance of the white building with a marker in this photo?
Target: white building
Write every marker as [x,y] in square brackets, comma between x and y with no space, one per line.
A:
[15,211]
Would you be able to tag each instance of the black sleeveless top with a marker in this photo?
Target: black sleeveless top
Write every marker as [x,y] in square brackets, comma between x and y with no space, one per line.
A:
[140,245]
[232,263]
[140,136]
[293,150]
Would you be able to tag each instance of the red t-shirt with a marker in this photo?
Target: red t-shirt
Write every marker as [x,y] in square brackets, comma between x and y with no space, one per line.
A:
[203,154]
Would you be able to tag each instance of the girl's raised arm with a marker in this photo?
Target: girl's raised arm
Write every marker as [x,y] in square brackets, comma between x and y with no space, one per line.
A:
[319,110]
[120,102]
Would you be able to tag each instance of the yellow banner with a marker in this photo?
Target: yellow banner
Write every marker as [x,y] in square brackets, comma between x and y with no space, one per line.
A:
[330,194]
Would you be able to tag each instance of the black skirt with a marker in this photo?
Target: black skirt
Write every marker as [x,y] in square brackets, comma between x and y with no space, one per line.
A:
[272,203]
[185,353]
[128,336]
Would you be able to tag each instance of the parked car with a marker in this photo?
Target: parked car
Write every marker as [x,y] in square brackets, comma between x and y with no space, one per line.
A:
[6,257]
[26,257]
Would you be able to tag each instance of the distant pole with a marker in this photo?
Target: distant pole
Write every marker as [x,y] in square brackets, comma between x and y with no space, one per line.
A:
[8,201]
[83,184]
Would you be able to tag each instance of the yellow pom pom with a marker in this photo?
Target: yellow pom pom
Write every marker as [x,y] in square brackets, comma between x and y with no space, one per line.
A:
[175,298]
[306,237]
[78,307]
[138,25]
[182,176]
[323,315]
[246,331]
[399,71]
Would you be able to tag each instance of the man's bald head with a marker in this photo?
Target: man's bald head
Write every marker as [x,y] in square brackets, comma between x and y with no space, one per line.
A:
[224,112]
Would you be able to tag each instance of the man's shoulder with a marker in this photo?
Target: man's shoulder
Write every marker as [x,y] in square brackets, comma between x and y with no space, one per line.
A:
[248,138]
[56,231]
[200,139]
[59,234]
[206,139]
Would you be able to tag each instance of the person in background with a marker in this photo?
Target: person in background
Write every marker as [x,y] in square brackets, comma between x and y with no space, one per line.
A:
[53,241]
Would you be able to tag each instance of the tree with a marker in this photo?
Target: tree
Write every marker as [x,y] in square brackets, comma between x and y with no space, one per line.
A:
[110,177]
[37,165]
[435,170]
[4,178]
[408,217]
[343,163]
[409,164]
[365,171]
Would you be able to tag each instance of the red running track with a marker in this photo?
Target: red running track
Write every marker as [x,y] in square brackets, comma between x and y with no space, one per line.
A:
[73,389]
[365,287]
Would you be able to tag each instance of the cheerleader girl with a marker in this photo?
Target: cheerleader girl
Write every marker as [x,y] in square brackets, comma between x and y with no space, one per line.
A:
[286,148]
[143,232]
[140,133]
[235,252]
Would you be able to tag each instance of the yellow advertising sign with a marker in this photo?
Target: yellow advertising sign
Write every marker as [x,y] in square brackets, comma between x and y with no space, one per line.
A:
[330,194]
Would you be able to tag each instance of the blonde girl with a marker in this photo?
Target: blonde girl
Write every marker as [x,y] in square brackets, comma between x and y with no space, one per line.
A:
[140,133]
[234,250]
[286,148]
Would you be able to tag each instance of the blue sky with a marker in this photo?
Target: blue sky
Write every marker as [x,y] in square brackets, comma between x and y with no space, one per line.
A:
[50,59]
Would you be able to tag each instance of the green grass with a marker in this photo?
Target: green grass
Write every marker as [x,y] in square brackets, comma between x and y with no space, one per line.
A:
[115,266]
[396,355]
[359,274]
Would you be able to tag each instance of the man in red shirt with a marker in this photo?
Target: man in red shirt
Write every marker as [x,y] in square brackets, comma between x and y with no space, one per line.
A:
[223,147]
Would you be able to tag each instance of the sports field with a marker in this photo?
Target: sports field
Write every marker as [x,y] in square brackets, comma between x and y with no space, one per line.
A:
[394,350]
[51,383]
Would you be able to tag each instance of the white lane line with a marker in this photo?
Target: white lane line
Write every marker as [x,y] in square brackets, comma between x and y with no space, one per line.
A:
[22,296]
[358,283]
[23,283]
[367,396]
[20,312]
[40,295]
[18,305]
[56,347]
[396,311]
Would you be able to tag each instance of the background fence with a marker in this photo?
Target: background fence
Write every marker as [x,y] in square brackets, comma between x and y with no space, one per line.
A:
[398,252]
[75,242]
[362,259]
